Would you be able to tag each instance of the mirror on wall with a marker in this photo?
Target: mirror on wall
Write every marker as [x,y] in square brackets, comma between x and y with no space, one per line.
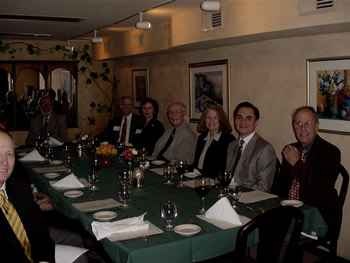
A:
[22,83]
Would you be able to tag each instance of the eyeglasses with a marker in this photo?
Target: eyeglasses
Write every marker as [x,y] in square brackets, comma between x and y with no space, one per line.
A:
[298,125]
[176,112]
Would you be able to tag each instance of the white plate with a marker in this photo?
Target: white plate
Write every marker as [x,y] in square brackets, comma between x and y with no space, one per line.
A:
[295,203]
[73,194]
[104,215]
[22,154]
[51,175]
[187,229]
[158,162]
[56,162]
[191,175]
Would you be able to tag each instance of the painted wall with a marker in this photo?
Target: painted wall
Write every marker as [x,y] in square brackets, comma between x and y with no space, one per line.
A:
[271,74]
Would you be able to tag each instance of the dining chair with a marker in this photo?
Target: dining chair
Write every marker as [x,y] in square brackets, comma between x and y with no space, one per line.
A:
[275,179]
[331,245]
[275,242]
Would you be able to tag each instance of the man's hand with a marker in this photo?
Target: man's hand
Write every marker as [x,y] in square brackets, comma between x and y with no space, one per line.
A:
[43,201]
[291,154]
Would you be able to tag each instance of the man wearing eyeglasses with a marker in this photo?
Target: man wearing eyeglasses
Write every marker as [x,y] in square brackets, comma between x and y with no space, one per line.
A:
[179,141]
[310,168]
[250,158]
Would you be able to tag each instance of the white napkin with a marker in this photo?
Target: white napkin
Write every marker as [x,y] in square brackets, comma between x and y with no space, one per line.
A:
[67,254]
[255,196]
[223,210]
[70,181]
[32,156]
[146,165]
[54,142]
[105,229]
[196,171]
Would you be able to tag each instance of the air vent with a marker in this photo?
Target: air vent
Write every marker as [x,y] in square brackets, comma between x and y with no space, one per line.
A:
[315,6]
[42,18]
[324,4]
[211,20]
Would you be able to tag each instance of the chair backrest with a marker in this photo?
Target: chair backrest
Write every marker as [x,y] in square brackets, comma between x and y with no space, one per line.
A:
[344,184]
[275,179]
[273,227]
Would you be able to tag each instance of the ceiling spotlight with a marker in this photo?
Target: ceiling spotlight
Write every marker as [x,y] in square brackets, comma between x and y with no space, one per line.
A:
[211,6]
[142,24]
[95,39]
[68,47]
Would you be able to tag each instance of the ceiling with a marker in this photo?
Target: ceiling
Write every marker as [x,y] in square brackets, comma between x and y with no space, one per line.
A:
[77,19]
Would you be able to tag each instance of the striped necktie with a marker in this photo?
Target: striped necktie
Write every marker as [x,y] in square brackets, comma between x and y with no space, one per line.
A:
[16,224]
[238,155]
[295,187]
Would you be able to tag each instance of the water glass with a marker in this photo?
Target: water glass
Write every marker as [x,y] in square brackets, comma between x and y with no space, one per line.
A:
[168,172]
[224,178]
[93,179]
[202,186]
[68,163]
[124,178]
[168,212]
[124,195]
[234,192]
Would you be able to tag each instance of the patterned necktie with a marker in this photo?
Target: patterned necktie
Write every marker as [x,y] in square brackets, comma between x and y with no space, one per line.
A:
[123,136]
[238,155]
[167,144]
[44,130]
[295,187]
[16,224]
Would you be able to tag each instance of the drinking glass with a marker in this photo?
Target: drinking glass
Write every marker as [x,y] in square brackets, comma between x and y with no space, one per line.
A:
[143,160]
[124,178]
[37,142]
[234,193]
[202,186]
[49,154]
[168,212]
[68,163]
[94,164]
[181,167]
[124,195]
[93,179]
[67,149]
[224,178]
[168,172]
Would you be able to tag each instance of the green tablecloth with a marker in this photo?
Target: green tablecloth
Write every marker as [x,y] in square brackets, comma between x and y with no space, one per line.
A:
[168,247]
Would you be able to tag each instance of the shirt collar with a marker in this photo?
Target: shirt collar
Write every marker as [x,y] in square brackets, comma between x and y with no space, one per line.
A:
[308,147]
[216,136]
[248,138]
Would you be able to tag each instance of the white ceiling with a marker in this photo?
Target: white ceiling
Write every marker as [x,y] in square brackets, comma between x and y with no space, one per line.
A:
[102,15]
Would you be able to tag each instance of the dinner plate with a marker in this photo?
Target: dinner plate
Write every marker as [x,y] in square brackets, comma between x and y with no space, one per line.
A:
[158,162]
[187,229]
[73,194]
[104,215]
[56,162]
[295,203]
[191,175]
[51,175]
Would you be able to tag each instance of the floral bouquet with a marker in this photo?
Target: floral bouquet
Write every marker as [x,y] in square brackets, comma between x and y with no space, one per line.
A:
[106,150]
[82,137]
[331,82]
[129,154]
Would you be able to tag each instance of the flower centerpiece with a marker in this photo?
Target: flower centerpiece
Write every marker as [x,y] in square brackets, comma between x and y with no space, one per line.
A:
[82,138]
[330,84]
[107,152]
[129,156]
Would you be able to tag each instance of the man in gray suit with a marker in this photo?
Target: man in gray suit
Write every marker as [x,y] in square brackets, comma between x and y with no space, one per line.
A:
[48,121]
[251,159]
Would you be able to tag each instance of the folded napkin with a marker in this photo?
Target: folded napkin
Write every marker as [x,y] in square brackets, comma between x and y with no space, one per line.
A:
[70,181]
[97,205]
[255,196]
[223,210]
[32,156]
[54,142]
[158,170]
[196,171]
[67,254]
[105,229]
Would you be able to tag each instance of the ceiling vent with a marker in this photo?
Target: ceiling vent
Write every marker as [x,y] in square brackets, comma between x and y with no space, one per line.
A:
[42,18]
[315,6]
[211,20]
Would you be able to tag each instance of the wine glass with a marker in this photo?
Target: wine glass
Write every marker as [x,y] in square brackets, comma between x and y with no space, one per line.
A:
[37,142]
[168,172]
[181,167]
[224,178]
[124,195]
[234,193]
[202,186]
[168,212]
[124,178]
[143,160]
[93,179]
[94,164]
[49,153]
[68,163]
[67,149]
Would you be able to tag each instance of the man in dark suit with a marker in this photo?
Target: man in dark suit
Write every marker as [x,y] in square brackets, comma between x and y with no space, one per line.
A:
[251,159]
[124,128]
[310,169]
[48,121]
[18,194]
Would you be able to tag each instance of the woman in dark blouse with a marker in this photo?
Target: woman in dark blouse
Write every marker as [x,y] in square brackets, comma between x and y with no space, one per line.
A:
[152,128]
[215,136]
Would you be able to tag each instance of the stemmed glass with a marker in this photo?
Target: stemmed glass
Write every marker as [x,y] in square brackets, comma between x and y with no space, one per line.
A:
[168,172]
[49,154]
[181,167]
[224,178]
[93,177]
[202,186]
[143,157]
[67,149]
[124,195]
[168,212]
[234,193]
[124,178]
[68,163]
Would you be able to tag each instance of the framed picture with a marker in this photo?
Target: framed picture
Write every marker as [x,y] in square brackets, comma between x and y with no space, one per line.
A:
[328,91]
[140,84]
[208,85]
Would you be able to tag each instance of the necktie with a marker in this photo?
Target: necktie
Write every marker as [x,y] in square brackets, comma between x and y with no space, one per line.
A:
[123,135]
[16,224]
[238,154]
[295,187]
[44,130]
[167,144]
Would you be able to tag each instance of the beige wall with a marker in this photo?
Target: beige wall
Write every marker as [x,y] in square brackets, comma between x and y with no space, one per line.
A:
[271,74]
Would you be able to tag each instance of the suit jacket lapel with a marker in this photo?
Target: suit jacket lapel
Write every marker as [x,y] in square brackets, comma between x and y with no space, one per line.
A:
[248,151]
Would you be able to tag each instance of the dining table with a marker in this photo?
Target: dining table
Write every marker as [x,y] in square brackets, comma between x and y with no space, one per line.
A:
[168,246]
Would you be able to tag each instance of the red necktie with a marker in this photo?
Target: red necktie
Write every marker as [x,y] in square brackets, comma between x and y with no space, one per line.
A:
[123,136]
[295,187]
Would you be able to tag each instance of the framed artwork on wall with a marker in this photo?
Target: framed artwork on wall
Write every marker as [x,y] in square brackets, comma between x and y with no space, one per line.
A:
[140,86]
[328,91]
[209,84]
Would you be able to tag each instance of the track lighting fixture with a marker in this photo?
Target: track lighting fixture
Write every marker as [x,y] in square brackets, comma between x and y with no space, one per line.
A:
[68,47]
[95,39]
[211,6]
[142,24]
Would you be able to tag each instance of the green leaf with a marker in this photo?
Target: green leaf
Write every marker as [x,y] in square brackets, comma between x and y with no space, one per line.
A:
[92,104]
